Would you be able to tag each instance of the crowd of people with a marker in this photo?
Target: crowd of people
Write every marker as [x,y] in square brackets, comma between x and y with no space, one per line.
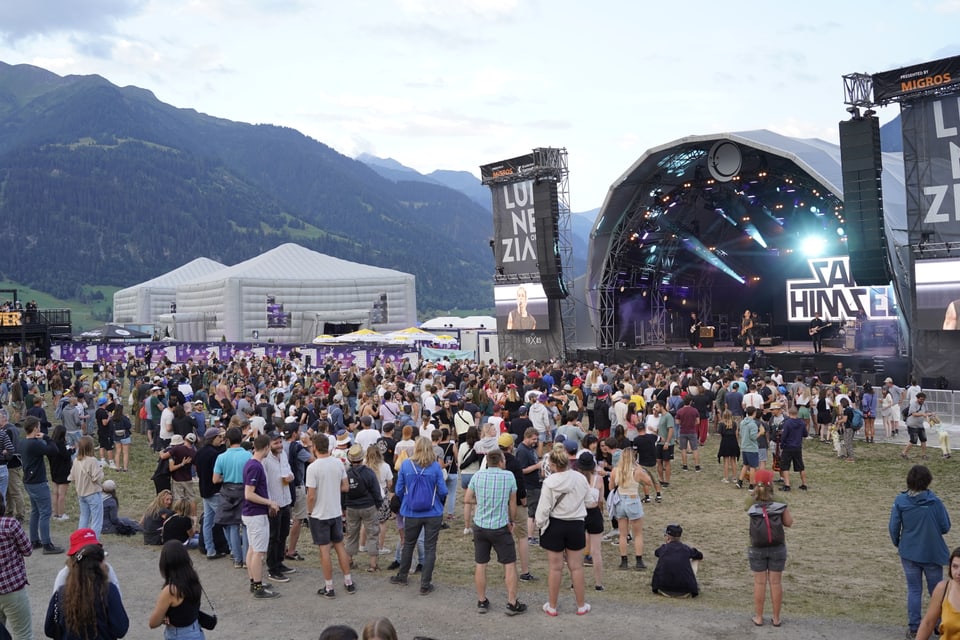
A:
[253,451]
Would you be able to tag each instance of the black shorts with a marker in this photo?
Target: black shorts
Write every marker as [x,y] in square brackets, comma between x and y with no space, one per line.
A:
[326,532]
[664,453]
[594,521]
[917,433]
[105,439]
[564,534]
[500,539]
[792,457]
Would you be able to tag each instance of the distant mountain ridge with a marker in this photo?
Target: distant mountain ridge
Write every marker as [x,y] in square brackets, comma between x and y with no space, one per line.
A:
[108,185]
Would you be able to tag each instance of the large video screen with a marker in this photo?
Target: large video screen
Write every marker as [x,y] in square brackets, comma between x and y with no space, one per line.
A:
[938,293]
[522,307]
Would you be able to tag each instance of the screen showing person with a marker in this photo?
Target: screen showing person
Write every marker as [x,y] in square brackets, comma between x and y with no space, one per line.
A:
[938,294]
[522,307]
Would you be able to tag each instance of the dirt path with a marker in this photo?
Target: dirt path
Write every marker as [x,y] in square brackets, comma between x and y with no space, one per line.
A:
[447,613]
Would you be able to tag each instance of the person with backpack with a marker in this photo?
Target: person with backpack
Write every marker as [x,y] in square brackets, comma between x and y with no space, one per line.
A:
[851,421]
[422,492]
[768,550]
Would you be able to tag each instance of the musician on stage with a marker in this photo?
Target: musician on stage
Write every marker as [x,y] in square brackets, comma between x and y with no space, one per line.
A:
[746,331]
[694,332]
[816,332]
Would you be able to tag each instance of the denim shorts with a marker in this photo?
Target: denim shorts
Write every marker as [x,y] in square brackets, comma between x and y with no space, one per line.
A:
[629,508]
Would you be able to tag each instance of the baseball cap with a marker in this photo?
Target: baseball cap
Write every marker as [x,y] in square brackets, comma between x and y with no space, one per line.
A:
[523,410]
[155,388]
[81,538]
[673,530]
[211,433]
[570,445]
[505,441]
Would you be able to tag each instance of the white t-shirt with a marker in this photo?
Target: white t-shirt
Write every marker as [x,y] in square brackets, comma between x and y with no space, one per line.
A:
[324,475]
[166,423]
[366,437]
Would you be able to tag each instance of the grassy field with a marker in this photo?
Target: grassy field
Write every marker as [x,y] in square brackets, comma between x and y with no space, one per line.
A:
[84,315]
[841,563]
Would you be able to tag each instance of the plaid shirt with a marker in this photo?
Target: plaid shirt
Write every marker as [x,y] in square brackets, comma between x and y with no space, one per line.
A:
[14,546]
[492,488]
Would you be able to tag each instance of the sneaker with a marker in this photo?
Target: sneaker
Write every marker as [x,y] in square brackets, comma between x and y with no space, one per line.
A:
[398,579]
[624,565]
[63,516]
[239,565]
[641,566]
[697,469]
[418,569]
[427,589]
[326,593]
[739,484]
[785,487]
[444,525]
[112,465]
[393,566]
[284,569]
[259,591]
[599,587]
[803,487]
[664,484]
[516,608]
[467,531]
[265,585]
[293,556]
[584,610]
[686,468]
[351,588]
[385,551]
[588,560]
[550,611]
[645,499]
[276,576]
[527,577]
[51,549]
[659,498]
[533,542]
[483,606]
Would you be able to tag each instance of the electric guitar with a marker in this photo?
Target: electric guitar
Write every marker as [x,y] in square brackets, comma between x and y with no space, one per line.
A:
[696,326]
[815,330]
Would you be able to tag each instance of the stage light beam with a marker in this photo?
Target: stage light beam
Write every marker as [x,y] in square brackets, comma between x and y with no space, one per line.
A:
[813,246]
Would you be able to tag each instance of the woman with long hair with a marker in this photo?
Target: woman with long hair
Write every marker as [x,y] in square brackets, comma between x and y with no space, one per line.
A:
[122,429]
[626,479]
[868,405]
[157,512]
[88,605]
[87,478]
[178,603]
[560,517]
[379,629]
[824,407]
[947,593]
[420,470]
[887,409]
[767,562]
[729,451]
[60,465]
[374,459]
[468,463]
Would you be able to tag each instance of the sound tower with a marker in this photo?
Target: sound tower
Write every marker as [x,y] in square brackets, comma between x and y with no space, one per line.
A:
[863,200]
[546,216]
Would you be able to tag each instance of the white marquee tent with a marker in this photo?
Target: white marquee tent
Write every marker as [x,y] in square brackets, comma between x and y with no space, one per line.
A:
[313,288]
[144,303]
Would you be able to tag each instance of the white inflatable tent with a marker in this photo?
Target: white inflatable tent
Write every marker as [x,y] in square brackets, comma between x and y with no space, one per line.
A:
[144,303]
[313,288]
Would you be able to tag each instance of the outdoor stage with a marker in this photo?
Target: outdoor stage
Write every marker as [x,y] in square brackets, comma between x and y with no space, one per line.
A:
[869,365]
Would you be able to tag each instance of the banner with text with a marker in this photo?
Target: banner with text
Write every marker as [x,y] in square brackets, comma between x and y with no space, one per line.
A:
[833,294]
[915,79]
[514,228]
[931,164]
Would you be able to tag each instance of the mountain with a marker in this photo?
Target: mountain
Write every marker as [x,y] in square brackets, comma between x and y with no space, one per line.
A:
[106,185]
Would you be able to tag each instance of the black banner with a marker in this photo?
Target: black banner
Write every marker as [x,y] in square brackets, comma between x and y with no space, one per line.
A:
[514,167]
[514,228]
[917,78]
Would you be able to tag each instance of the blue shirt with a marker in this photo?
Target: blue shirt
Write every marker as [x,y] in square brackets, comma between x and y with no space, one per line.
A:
[229,464]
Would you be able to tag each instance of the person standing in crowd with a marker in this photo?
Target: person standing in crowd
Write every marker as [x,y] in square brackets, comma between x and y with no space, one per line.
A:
[326,480]
[256,510]
[768,561]
[792,432]
[845,422]
[14,595]
[228,470]
[87,478]
[89,604]
[419,477]
[363,502]
[688,421]
[560,518]
[493,492]
[626,479]
[279,476]
[675,575]
[593,522]
[918,522]
[868,405]
[204,462]
[37,447]
[122,429]
[917,414]
[666,433]
[16,503]
[947,593]
[749,430]
[299,455]
[178,604]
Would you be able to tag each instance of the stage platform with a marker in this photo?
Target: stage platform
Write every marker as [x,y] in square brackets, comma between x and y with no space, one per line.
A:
[870,365]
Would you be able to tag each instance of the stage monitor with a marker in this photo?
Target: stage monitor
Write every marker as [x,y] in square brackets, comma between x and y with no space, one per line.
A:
[522,307]
[938,289]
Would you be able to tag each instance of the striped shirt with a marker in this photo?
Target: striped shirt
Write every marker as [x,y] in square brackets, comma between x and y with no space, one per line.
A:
[492,488]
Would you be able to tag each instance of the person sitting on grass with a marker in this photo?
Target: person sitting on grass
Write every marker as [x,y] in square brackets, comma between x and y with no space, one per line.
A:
[112,521]
[675,575]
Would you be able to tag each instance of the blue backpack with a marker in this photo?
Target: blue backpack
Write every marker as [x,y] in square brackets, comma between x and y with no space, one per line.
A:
[419,496]
[857,421]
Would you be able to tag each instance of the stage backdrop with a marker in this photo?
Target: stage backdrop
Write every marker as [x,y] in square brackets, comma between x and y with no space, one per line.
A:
[931,164]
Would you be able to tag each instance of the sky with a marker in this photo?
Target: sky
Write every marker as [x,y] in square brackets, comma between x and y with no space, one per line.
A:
[454,84]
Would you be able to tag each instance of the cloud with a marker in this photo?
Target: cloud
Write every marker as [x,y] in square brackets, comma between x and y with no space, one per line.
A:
[22,19]
[493,9]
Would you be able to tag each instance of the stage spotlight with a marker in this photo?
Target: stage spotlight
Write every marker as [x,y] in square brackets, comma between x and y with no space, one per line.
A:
[813,246]
[841,232]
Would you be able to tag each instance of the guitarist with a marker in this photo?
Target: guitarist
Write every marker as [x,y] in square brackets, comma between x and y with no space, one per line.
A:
[816,332]
[694,332]
[746,331]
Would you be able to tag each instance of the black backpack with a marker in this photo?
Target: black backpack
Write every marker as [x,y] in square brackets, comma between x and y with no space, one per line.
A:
[766,526]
